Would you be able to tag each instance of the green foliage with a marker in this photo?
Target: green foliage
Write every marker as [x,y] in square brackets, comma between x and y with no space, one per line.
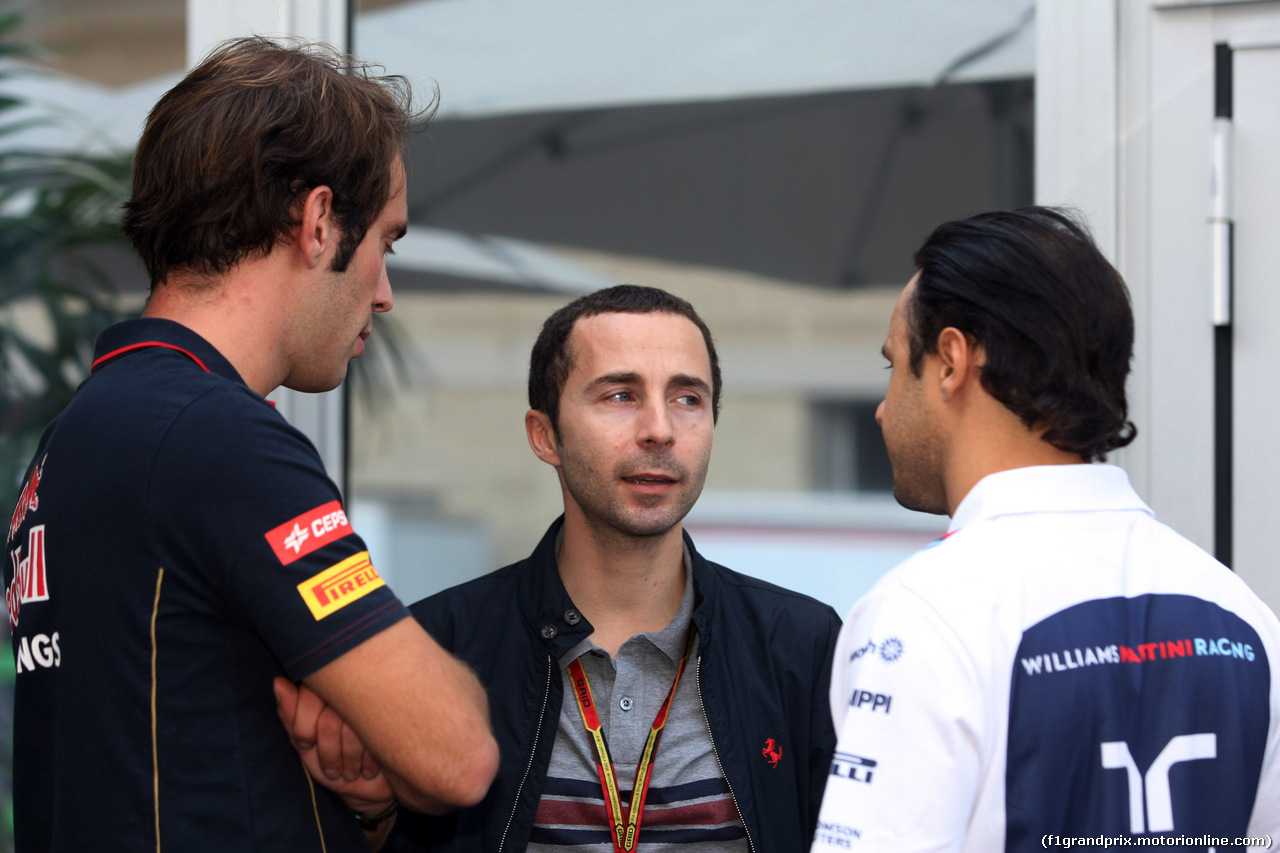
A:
[58,211]
[56,207]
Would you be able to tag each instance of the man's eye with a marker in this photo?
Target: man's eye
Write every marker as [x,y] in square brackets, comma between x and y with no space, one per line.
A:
[621,396]
[689,400]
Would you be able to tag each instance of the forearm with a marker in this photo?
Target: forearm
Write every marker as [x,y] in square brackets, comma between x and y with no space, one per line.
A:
[462,753]
[420,712]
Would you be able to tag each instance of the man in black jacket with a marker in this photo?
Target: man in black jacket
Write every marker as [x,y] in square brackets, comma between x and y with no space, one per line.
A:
[641,695]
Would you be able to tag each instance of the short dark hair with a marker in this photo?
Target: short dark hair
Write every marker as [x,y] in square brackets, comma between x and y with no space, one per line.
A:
[551,360]
[1050,313]
[227,155]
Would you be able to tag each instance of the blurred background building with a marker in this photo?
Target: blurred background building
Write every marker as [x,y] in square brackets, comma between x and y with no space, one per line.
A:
[776,164]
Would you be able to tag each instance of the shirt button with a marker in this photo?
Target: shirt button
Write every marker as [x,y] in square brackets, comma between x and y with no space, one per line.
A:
[549,632]
[573,617]
[625,703]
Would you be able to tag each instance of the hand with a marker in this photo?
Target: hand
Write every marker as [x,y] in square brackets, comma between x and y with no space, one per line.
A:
[332,752]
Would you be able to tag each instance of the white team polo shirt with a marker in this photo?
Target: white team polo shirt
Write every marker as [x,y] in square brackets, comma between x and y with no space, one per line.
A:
[1059,664]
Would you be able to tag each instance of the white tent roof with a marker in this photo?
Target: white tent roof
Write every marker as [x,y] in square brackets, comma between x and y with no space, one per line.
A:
[494,57]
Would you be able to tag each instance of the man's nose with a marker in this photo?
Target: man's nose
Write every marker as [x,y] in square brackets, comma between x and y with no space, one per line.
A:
[382,300]
[655,424]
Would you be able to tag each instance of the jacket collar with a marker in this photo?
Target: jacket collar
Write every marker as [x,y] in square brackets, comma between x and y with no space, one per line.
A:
[555,622]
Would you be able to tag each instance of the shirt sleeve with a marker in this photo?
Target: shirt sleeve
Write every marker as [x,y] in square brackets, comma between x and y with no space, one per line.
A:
[255,529]
[907,710]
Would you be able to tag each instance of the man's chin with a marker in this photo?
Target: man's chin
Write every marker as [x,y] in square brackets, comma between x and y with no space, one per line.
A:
[918,503]
[647,525]
[315,384]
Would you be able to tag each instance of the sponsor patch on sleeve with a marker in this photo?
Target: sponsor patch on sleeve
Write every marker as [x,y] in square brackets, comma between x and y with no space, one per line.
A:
[340,584]
[309,532]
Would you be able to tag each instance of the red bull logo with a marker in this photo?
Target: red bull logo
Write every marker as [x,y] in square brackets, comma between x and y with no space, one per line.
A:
[29,581]
[28,500]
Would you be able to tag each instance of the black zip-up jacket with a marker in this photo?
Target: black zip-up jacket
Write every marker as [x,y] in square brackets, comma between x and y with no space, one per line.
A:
[763,672]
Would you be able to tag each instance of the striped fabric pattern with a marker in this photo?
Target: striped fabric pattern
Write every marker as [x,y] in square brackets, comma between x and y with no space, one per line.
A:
[689,808]
[694,816]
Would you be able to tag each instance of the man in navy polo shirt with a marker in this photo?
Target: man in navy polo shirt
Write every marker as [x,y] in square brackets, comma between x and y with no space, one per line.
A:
[177,545]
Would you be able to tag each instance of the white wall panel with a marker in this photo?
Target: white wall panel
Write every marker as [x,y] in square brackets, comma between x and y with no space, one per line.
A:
[1257,304]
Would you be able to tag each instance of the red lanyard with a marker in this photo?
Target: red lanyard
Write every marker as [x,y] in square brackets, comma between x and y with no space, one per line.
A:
[624,837]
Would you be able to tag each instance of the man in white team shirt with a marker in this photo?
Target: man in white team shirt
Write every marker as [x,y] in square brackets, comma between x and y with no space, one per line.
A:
[1059,665]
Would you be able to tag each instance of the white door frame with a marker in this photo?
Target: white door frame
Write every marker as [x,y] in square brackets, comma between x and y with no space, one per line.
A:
[322,417]
[1124,129]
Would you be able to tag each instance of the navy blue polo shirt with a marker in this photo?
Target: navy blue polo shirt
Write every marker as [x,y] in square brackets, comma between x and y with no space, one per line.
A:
[177,544]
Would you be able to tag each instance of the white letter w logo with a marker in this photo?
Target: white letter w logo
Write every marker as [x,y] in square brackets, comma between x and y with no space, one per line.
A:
[1159,810]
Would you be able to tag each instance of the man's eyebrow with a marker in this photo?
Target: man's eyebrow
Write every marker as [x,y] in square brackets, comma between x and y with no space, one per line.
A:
[630,377]
[614,379]
[398,230]
[687,381]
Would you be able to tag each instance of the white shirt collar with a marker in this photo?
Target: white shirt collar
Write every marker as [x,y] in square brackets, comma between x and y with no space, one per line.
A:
[1048,488]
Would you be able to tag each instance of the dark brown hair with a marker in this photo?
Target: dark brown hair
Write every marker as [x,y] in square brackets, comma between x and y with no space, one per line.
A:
[1051,314]
[551,360]
[228,153]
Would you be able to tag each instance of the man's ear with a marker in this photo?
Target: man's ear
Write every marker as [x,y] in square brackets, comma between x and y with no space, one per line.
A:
[542,437]
[960,362]
[317,232]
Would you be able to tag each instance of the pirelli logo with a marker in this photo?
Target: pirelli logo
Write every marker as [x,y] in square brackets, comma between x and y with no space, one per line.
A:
[339,585]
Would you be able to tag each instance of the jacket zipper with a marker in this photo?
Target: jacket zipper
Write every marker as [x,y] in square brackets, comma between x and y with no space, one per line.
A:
[697,678]
[537,733]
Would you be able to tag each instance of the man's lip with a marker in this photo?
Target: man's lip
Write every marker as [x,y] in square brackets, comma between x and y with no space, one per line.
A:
[650,478]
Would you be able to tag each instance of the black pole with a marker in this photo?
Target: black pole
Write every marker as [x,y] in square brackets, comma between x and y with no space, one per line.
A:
[1222,457]
[1223,373]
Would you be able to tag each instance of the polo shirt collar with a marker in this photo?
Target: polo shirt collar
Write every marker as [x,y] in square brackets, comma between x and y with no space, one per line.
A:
[1048,488]
[142,330]
[671,638]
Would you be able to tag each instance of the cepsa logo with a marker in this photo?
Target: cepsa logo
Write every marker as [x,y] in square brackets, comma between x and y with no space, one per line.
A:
[309,532]
[340,584]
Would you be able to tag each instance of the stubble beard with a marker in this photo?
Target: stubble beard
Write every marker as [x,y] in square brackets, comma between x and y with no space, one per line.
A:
[647,516]
[917,500]
[917,485]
